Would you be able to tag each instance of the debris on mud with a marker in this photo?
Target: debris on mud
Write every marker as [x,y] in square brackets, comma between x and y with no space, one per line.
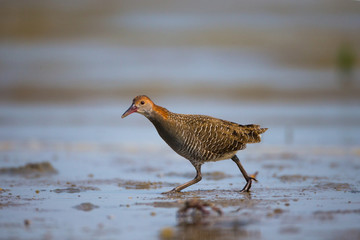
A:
[86,207]
[199,205]
[197,212]
[30,170]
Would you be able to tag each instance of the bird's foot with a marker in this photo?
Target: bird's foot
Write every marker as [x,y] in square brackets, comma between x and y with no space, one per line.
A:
[173,191]
[247,186]
[249,182]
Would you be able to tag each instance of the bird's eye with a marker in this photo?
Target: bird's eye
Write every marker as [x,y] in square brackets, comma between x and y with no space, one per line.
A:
[142,102]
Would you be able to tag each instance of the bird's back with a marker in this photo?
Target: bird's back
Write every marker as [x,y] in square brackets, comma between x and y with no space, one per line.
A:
[204,138]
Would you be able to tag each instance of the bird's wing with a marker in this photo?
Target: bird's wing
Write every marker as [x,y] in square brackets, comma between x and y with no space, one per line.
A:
[220,136]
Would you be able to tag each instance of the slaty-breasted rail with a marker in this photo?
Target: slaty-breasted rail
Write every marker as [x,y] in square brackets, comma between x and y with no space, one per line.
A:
[199,138]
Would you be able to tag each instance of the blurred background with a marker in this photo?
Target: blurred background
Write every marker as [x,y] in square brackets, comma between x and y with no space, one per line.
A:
[68,69]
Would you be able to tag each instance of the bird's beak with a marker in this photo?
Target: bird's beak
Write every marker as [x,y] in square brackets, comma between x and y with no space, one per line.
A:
[131,110]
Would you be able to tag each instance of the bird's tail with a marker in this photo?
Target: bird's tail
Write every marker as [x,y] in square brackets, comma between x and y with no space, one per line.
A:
[253,132]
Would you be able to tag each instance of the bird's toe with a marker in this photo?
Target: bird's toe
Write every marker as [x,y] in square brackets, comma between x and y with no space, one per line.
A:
[173,191]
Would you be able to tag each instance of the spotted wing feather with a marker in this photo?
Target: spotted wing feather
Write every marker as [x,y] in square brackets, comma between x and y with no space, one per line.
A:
[221,137]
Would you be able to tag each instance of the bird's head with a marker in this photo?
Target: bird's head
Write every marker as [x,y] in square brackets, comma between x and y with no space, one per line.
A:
[141,104]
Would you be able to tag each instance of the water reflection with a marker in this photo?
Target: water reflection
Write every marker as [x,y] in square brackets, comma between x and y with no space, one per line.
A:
[196,225]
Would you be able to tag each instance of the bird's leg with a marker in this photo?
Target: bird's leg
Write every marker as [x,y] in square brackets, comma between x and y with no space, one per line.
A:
[197,178]
[244,173]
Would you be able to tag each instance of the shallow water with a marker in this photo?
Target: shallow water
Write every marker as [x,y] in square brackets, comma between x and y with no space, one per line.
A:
[322,123]
[119,167]
[298,193]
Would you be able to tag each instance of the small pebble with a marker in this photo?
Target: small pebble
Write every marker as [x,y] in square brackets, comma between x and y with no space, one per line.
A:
[86,206]
[27,222]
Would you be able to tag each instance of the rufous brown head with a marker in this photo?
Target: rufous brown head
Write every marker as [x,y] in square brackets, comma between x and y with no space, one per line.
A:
[141,104]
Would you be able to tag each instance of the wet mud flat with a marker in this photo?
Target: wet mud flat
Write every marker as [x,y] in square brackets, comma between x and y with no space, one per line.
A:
[54,192]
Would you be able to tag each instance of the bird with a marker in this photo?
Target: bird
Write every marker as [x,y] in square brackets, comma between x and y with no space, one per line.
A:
[199,138]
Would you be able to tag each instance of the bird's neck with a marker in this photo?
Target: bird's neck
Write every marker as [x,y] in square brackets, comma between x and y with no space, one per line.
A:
[159,113]
[159,117]
[164,124]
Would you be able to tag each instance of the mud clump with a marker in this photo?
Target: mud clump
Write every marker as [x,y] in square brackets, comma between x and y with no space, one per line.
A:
[278,211]
[75,190]
[167,204]
[293,178]
[67,190]
[330,215]
[299,178]
[27,222]
[339,211]
[30,170]
[216,175]
[86,207]
[335,186]
[290,230]
[140,185]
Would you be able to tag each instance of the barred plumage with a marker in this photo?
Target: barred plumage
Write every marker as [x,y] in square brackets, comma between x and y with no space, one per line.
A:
[199,138]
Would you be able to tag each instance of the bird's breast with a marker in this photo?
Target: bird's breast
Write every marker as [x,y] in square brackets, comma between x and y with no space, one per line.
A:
[168,133]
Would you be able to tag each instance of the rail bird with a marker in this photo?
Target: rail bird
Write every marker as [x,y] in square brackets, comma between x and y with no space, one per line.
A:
[199,138]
